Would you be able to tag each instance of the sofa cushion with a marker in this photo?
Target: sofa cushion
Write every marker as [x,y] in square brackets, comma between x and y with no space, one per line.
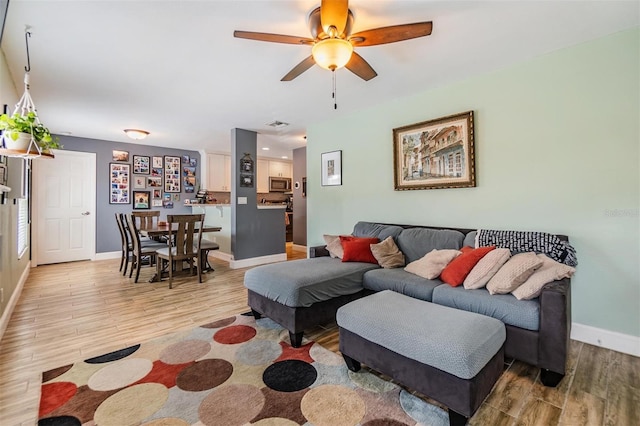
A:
[378,230]
[416,242]
[513,273]
[470,239]
[505,307]
[457,270]
[358,249]
[548,272]
[301,283]
[400,281]
[387,253]
[431,264]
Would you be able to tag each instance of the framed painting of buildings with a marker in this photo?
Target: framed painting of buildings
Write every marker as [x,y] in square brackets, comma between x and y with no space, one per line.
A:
[435,154]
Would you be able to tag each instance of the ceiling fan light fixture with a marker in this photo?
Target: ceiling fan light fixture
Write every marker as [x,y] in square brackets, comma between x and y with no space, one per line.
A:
[332,53]
[136,134]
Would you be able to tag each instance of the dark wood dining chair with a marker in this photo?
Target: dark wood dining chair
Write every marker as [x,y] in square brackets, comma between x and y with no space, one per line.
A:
[146,219]
[138,249]
[183,244]
[125,243]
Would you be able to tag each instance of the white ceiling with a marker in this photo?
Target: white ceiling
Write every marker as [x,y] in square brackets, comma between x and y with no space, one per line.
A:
[174,68]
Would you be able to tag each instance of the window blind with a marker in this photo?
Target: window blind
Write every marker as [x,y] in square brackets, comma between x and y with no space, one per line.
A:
[23,226]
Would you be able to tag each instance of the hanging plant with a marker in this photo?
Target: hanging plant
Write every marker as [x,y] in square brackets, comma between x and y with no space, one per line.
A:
[29,124]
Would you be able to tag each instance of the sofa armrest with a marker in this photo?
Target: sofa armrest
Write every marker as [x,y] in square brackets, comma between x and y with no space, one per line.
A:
[318,251]
[555,325]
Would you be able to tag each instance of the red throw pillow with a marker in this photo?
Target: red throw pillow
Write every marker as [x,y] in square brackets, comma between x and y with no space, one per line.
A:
[357,249]
[458,269]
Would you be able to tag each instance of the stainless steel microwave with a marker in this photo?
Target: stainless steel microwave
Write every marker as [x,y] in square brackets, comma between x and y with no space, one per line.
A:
[279,184]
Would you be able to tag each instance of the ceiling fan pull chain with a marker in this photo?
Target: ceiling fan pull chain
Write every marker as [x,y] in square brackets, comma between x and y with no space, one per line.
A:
[335,98]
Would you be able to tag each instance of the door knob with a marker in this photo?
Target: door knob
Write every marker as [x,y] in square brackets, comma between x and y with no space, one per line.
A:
[86,213]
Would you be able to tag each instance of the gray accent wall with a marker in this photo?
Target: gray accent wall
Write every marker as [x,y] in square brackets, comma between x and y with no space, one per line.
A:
[254,232]
[107,235]
[299,202]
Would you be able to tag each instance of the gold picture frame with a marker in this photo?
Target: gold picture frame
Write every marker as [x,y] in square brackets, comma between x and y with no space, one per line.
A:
[435,154]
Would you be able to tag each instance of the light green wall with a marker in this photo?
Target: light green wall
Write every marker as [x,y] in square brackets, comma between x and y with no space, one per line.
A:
[557,151]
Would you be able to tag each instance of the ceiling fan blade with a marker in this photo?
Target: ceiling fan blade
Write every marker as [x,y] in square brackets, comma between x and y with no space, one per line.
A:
[360,67]
[334,13]
[391,34]
[274,38]
[299,69]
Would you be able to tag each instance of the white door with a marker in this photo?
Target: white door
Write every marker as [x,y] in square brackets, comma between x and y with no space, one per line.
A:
[64,207]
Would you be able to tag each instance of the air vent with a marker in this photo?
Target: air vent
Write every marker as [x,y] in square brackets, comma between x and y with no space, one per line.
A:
[278,124]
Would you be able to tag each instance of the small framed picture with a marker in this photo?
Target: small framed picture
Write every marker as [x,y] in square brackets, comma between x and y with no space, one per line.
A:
[332,168]
[156,203]
[156,171]
[167,204]
[154,182]
[141,200]
[141,164]
[157,163]
[193,162]
[186,159]
[117,155]
[157,194]
[246,181]
[139,182]
[176,197]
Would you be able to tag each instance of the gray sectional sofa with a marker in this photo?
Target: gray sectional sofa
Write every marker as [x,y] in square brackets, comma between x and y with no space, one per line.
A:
[537,330]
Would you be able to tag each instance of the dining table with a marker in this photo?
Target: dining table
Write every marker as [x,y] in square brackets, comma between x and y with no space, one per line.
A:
[163,229]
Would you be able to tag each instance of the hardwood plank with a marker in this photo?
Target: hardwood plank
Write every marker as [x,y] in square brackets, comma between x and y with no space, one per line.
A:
[510,392]
[487,415]
[591,375]
[536,412]
[623,405]
[582,408]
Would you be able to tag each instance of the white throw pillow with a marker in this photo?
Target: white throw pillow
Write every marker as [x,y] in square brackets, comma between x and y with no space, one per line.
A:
[513,273]
[334,245]
[486,268]
[549,271]
[431,264]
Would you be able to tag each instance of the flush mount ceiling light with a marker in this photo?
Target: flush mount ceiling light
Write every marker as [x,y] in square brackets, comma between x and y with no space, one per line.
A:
[136,134]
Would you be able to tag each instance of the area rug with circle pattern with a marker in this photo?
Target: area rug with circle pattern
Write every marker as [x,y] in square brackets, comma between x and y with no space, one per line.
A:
[234,371]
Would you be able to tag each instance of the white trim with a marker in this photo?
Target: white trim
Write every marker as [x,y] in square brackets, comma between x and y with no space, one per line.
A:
[254,261]
[6,315]
[108,255]
[607,339]
[227,257]
[298,247]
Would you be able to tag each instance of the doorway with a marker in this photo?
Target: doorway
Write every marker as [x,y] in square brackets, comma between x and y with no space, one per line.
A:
[64,208]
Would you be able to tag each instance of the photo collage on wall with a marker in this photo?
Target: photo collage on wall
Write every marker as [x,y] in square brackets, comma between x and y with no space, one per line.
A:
[119,178]
[189,173]
[157,181]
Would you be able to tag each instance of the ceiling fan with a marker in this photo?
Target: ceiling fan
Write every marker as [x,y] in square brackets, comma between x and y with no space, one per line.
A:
[332,42]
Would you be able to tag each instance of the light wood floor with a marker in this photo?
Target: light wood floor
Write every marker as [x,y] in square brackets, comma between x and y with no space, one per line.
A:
[69,312]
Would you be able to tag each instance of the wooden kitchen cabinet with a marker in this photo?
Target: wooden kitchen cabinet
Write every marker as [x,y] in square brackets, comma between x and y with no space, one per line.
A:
[280,169]
[219,172]
[262,176]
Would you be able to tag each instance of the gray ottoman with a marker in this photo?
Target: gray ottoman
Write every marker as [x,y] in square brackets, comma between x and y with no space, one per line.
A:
[303,293]
[452,356]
